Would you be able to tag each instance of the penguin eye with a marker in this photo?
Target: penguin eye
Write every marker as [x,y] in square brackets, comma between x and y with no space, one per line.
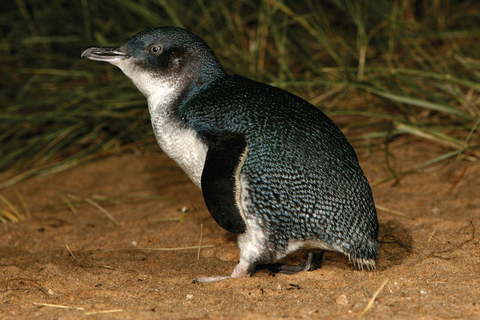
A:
[156,49]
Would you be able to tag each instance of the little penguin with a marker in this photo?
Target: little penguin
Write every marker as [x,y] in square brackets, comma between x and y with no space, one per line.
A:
[272,168]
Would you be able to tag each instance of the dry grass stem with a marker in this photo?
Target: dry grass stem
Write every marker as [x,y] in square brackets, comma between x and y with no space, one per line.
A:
[24,204]
[18,216]
[390,210]
[37,284]
[201,232]
[56,306]
[70,251]
[104,311]
[433,232]
[372,300]
[166,219]
[10,216]
[200,241]
[159,249]
[68,202]
[102,209]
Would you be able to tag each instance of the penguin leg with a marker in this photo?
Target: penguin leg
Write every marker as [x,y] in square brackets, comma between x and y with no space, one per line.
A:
[314,262]
[252,247]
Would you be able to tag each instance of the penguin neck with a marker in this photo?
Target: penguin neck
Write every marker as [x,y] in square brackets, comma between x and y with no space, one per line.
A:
[164,98]
[171,94]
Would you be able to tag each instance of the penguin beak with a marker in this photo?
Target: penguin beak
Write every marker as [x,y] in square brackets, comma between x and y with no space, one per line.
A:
[109,54]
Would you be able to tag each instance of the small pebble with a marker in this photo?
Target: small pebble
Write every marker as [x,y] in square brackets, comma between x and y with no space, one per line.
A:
[423,292]
[134,243]
[189,296]
[342,299]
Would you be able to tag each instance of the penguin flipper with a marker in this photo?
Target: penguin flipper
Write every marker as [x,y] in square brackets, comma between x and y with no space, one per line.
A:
[221,180]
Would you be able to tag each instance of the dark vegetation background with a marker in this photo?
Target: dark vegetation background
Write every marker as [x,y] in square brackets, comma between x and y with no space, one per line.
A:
[382,69]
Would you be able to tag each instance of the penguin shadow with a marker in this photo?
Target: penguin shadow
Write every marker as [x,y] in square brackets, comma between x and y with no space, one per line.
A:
[396,244]
[227,237]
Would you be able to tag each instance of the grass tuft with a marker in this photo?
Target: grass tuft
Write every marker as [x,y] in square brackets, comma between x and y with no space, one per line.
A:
[9,213]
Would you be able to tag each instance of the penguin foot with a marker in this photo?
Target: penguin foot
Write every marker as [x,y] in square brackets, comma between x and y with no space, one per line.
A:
[242,269]
[314,262]
[210,279]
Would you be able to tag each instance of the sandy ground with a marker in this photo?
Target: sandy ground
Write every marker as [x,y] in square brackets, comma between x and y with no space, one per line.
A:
[143,268]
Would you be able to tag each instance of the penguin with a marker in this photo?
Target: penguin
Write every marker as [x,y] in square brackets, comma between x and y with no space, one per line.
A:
[272,168]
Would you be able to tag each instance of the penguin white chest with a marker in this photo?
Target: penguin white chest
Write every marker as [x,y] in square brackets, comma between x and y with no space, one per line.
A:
[180,143]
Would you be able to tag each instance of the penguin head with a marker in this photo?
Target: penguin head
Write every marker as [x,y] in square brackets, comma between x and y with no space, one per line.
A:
[159,57]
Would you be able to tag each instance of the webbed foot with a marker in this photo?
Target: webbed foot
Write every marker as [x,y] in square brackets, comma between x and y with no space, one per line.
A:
[242,269]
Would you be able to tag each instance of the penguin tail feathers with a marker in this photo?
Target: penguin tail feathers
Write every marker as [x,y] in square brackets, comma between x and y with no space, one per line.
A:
[366,260]
[362,263]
